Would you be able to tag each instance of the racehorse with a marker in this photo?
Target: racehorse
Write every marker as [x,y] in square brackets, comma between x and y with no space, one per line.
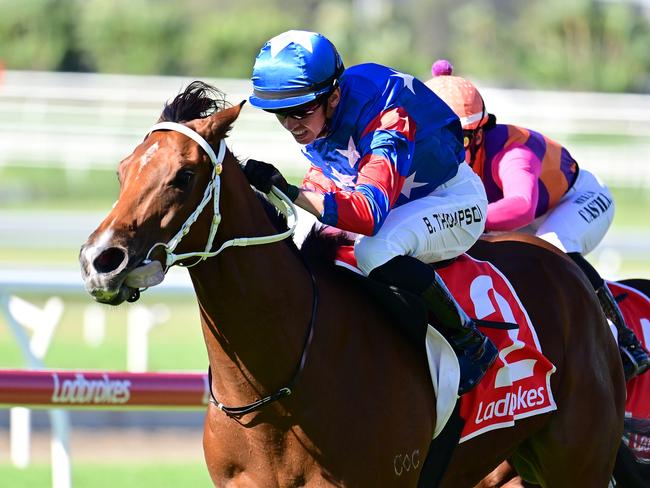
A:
[330,392]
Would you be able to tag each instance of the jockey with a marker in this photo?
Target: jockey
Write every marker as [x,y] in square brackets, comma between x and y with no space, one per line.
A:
[535,186]
[387,163]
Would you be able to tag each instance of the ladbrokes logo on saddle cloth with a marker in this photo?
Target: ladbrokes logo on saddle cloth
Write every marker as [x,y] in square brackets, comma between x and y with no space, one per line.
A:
[518,383]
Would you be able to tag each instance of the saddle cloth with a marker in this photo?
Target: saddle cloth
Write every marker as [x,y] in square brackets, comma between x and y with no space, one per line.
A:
[635,307]
[518,383]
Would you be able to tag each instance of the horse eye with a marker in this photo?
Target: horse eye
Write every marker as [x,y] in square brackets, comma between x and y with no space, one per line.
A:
[182,179]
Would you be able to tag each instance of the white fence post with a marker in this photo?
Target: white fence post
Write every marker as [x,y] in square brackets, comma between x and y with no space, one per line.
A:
[94,324]
[19,435]
[140,320]
[60,449]
[22,315]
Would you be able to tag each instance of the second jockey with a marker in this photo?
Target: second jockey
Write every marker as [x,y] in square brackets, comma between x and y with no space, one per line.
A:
[535,186]
[387,163]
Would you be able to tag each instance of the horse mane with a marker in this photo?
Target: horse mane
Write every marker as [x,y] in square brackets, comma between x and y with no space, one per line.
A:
[320,247]
[198,101]
[278,220]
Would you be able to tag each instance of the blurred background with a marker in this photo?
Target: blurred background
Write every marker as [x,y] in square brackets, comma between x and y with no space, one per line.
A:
[81,81]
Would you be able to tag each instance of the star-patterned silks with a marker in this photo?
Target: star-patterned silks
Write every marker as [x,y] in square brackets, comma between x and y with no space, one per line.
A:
[351,153]
[410,184]
[376,99]
[408,80]
[344,181]
[278,43]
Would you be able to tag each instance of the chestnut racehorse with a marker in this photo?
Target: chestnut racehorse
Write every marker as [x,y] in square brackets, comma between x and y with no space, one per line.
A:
[312,383]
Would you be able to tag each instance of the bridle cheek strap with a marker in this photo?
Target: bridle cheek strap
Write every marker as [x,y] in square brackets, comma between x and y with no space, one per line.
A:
[213,191]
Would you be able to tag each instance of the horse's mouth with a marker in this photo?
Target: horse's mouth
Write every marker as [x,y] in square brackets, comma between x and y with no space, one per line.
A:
[111,296]
[114,290]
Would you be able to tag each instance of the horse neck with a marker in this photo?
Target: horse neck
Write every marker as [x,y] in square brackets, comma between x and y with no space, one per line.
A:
[255,304]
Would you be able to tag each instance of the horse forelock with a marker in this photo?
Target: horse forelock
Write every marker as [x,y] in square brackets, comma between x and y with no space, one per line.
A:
[199,100]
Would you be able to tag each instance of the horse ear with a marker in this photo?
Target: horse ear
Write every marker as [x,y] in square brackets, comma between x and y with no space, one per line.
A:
[216,126]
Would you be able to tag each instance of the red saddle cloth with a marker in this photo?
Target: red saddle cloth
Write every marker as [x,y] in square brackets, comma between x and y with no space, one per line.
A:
[635,307]
[518,383]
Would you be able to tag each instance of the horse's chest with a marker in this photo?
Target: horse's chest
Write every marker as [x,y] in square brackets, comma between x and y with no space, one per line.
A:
[237,457]
[259,471]
[257,477]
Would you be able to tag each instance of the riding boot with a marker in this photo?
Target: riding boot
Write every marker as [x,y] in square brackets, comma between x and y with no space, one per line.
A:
[635,358]
[475,351]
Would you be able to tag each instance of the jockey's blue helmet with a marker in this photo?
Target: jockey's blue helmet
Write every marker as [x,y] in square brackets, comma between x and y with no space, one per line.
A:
[294,68]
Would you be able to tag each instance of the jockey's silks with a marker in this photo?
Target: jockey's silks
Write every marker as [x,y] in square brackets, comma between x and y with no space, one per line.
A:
[391,140]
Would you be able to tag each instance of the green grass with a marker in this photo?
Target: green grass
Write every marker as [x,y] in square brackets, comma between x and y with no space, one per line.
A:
[632,208]
[598,139]
[176,344]
[164,475]
[17,256]
[26,188]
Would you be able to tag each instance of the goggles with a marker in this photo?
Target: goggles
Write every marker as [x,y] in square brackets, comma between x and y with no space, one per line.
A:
[468,135]
[299,113]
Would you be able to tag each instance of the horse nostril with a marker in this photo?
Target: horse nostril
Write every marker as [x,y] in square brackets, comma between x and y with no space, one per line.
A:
[109,260]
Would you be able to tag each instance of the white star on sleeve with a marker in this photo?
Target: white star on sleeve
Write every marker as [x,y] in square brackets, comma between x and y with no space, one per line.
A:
[408,80]
[351,153]
[346,182]
[410,184]
[279,42]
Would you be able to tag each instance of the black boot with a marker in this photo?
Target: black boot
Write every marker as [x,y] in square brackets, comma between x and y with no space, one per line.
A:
[475,351]
[635,358]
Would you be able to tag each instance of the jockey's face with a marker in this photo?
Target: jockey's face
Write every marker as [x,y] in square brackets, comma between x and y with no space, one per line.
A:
[310,122]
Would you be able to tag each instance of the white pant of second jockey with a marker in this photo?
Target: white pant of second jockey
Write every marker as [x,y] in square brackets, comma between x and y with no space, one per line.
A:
[580,220]
[577,225]
[440,226]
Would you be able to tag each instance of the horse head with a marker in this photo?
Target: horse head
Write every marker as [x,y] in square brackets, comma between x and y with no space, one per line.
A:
[170,182]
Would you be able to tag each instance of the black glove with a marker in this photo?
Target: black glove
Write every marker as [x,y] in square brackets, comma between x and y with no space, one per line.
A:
[263,175]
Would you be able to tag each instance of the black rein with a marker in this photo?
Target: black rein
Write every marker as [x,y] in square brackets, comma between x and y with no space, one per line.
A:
[285,391]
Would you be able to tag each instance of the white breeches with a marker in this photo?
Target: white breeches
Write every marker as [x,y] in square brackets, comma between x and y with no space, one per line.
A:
[580,220]
[440,226]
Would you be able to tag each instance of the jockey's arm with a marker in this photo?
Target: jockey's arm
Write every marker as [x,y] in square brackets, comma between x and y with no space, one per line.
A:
[311,201]
[362,209]
[518,172]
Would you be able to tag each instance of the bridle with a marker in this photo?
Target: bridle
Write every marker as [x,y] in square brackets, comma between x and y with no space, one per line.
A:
[213,191]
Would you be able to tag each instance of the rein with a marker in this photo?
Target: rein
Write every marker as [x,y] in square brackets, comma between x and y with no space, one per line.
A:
[286,390]
[213,191]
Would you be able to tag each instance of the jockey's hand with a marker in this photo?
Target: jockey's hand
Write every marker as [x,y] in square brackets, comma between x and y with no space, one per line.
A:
[263,175]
